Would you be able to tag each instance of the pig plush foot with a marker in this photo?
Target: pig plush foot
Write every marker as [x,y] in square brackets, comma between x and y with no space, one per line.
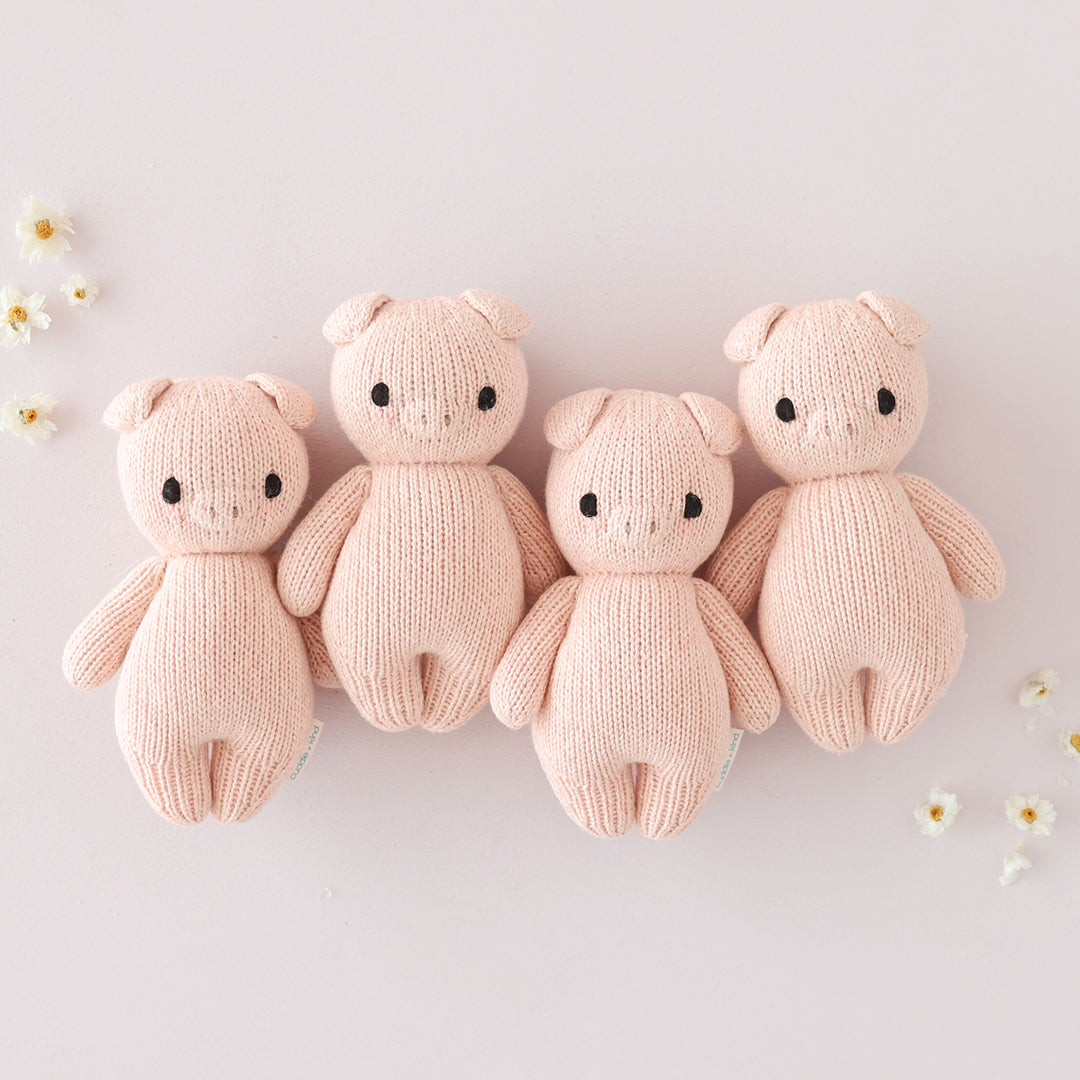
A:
[178,786]
[896,706]
[668,801]
[391,697]
[603,805]
[451,696]
[244,781]
[833,718]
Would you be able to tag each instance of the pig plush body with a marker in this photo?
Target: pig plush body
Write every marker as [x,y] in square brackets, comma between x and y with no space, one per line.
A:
[857,566]
[215,693]
[422,560]
[634,661]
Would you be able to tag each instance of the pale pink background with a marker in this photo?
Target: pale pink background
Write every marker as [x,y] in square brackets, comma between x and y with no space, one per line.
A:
[638,180]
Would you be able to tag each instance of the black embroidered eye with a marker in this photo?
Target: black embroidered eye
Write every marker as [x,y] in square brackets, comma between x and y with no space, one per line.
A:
[886,401]
[587,505]
[273,485]
[380,394]
[692,506]
[785,409]
[487,398]
[170,490]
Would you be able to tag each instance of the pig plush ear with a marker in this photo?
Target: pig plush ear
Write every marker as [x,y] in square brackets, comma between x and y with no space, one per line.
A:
[903,322]
[509,320]
[353,317]
[748,338]
[135,403]
[294,404]
[569,421]
[719,425]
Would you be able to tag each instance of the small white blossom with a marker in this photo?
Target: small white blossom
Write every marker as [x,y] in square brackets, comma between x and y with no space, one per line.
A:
[938,812]
[21,314]
[80,290]
[1036,691]
[43,231]
[29,417]
[1070,744]
[1015,863]
[1030,813]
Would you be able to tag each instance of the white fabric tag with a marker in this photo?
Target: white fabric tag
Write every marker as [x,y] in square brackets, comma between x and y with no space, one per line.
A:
[306,750]
[732,750]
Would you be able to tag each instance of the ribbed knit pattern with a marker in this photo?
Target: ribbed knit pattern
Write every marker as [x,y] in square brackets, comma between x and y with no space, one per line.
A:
[423,560]
[857,568]
[634,661]
[215,695]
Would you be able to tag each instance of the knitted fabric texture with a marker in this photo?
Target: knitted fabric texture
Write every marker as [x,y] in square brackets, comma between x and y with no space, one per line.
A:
[634,661]
[422,561]
[857,567]
[214,696]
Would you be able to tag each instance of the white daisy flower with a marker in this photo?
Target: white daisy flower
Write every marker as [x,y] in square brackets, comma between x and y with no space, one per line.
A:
[29,417]
[1015,863]
[1036,691]
[1070,744]
[21,314]
[80,290]
[1030,813]
[42,231]
[938,812]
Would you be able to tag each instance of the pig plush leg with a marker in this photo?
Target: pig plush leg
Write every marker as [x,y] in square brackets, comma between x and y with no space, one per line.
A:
[177,783]
[896,704]
[244,779]
[601,803]
[833,717]
[389,694]
[669,798]
[454,689]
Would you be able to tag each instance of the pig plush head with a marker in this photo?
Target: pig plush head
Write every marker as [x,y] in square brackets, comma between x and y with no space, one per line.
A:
[831,388]
[428,379]
[639,482]
[212,464]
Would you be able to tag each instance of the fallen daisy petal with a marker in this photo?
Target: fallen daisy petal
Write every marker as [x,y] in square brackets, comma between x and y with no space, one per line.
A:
[1037,690]
[43,231]
[21,314]
[938,812]
[29,417]
[1016,862]
[80,290]
[1030,813]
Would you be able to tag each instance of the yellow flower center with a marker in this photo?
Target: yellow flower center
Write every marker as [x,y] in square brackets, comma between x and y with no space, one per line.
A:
[79,294]
[1074,741]
[1042,690]
[44,228]
[937,812]
[28,416]
[1028,814]
[16,314]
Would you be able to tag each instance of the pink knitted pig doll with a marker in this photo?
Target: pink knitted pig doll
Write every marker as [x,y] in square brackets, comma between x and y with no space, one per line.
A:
[212,470]
[634,660]
[423,559]
[857,566]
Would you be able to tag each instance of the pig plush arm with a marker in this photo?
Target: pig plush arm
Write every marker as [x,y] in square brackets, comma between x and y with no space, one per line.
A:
[755,700]
[738,567]
[322,668]
[973,561]
[521,680]
[96,650]
[308,561]
[541,562]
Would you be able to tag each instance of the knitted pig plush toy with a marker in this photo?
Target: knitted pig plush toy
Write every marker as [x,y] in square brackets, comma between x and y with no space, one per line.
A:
[634,660]
[212,470]
[423,559]
[857,566]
